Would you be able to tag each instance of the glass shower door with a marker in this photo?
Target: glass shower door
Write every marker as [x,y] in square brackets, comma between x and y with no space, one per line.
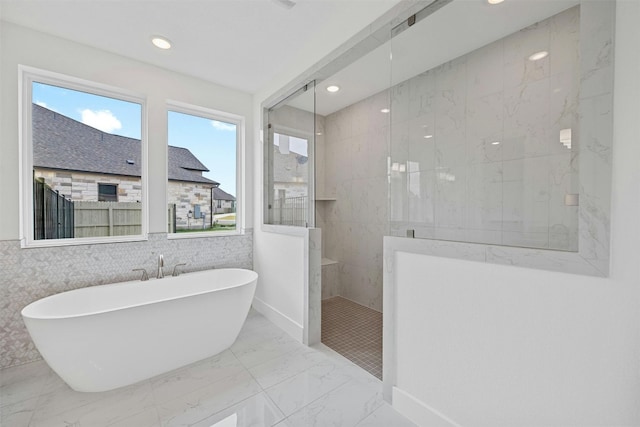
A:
[290,159]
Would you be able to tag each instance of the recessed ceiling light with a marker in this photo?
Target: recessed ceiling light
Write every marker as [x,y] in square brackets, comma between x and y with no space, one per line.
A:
[319,133]
[385,110]
[494,1]
[161,42]
[495,143]
[538,55]
[428,136]
[333,88]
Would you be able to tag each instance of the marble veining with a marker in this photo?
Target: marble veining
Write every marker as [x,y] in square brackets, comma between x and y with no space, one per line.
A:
[494,142]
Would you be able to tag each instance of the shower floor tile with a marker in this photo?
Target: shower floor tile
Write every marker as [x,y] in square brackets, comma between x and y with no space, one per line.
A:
[354,331]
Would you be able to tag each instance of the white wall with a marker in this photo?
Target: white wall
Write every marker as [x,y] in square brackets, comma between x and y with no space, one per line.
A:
[494,345]
[279,261]
[30,274]
[24,46]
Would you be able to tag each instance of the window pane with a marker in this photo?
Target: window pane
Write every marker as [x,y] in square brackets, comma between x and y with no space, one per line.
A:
[290,179]
[202,173]
[289,160]
[107,193]
[87,160]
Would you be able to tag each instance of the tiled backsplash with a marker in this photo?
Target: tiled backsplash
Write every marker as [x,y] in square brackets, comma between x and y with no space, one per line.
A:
[31,274]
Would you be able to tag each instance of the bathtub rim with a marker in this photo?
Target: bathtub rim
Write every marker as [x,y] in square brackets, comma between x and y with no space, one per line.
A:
[33,305]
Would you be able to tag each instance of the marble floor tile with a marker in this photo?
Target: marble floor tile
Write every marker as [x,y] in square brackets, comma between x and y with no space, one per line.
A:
[255,321]
[23,382]
[146,418]
[23,372]
[205,402]
[302,389]
[254,352]
[256,411]
[18,414]
[253,337]
[104,409]
[385,416]
[198,375]
[277,370]
[345,406]
[265,377]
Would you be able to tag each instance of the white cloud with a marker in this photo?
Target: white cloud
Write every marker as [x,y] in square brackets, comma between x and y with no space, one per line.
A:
[223,126]
[102,119]
[44,104]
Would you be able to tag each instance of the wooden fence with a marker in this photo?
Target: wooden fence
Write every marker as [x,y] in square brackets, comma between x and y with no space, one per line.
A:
[53,214]
[98,219]
[171,216]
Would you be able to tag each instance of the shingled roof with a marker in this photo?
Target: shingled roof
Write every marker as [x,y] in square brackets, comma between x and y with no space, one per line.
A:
[60,142]
[220,194]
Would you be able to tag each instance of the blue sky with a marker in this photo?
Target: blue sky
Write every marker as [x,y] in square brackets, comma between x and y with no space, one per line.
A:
[212,142]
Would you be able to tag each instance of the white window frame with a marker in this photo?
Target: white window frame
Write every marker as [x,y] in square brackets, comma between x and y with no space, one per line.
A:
[221,116]
[26,77]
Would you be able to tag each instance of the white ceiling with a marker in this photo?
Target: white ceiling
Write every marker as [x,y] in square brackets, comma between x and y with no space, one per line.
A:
[456,29]
[242,44]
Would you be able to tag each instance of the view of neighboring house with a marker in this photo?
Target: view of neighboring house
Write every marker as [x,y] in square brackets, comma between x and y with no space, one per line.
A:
[290,168]
[223,201]
[85,164]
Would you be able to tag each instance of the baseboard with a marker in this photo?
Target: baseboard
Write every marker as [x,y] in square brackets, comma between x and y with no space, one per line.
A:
[418,412]
[279,319]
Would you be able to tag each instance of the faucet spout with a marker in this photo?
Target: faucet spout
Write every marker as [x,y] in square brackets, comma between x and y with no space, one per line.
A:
[160,265]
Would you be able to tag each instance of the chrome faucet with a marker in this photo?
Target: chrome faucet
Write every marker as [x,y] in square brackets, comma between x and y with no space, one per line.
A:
[145,276]
[160,265]
[175,269]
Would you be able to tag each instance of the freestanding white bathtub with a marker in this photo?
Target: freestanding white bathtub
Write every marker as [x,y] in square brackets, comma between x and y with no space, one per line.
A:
[108,336]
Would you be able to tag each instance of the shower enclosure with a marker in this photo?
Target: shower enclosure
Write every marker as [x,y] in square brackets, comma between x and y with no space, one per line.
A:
[482,132]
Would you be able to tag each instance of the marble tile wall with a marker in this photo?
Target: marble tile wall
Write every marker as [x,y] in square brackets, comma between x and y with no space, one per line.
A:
[330,283]
[34,273]
[476,151]
[355,163]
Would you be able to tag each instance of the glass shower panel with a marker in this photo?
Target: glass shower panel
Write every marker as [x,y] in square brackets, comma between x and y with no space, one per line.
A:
[485,127]
[289,157]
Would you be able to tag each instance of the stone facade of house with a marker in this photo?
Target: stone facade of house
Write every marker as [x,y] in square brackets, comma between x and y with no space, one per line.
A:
[83,186]
[186,195]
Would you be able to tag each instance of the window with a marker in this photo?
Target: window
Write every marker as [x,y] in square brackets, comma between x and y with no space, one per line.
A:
[203,170]
[107,192]
[289,160]
[83,146]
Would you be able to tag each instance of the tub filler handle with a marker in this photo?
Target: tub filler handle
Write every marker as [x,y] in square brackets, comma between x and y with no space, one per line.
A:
[175,269]
[160,265]
[145,276]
